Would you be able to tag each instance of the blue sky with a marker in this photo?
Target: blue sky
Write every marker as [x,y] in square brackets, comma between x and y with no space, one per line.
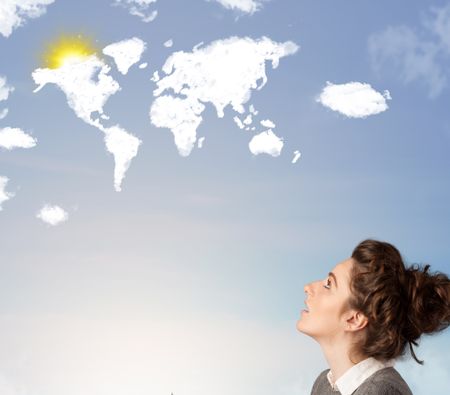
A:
[190,279]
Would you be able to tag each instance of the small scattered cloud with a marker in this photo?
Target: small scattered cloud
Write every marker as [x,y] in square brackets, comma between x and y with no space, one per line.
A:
[5,89]
[223,73]
[248,120]
[267,123]
[139,8]
[168,43]
[4,113]
[245,6]
[14,13]
[11,138]
[416,55]
[238,122]
[4,195]
[296,157]
[52,215]
[266,143]
[252,110]
[439,24]
[354,99]
[155,76]
[200,142]
[125,53]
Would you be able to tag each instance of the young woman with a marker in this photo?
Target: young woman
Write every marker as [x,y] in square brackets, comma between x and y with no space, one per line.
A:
[364,314]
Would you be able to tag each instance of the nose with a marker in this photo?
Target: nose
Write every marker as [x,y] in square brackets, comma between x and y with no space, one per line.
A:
[307,288]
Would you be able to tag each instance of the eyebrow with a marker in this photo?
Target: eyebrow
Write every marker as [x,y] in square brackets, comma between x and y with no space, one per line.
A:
[334,278]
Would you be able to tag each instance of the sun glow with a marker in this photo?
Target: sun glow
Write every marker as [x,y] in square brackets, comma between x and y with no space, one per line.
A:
[67,49]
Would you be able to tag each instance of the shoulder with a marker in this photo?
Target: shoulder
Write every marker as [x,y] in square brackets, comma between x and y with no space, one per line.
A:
[322,376]
[320,382]
[387,381]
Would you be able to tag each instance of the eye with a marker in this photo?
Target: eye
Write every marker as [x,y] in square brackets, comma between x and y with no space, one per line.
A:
[328,285]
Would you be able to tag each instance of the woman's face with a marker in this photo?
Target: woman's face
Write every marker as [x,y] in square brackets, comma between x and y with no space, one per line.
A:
[326,301]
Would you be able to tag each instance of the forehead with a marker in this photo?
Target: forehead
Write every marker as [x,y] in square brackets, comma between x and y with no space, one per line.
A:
[342,270]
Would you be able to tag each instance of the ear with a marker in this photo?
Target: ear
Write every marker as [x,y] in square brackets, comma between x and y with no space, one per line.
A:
[355,321]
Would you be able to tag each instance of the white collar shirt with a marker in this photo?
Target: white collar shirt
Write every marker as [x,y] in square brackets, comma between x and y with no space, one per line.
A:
[357,374]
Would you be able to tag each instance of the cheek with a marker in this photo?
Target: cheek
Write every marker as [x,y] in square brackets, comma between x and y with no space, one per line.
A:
[330,308]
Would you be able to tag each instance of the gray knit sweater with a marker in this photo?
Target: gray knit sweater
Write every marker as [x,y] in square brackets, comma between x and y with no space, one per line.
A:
[386,381]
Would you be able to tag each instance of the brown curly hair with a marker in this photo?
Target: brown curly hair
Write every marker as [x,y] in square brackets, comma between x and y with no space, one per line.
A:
[400,303]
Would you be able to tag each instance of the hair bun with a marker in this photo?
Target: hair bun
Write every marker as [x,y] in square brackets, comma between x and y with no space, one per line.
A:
[428,297]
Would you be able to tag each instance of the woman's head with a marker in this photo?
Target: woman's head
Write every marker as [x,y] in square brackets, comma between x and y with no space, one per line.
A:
[379,303]
[329,318]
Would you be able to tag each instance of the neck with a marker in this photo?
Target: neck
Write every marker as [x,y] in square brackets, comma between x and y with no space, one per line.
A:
[336,352]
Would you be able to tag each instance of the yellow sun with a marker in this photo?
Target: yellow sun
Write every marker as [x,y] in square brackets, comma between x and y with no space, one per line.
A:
[67,48]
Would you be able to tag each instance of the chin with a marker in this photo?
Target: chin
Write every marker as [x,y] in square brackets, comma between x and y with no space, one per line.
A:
[299,326]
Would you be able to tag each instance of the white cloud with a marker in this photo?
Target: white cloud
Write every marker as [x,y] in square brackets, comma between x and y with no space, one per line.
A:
[155,76]
[248,120]
[238,122]
[168,43]
[125,53]
[84,94]
[222,73]
[87,96]
[266,143]
[267,123]
[439,24]
[14,13]
[296,157]
[354,99]
[247,6]
[143,65]
[11,138]
[4,195]
[200,142]
[139,8]
[5,89]
[124,147]
[252,110]
[416,55]
[52,215]
[181,116]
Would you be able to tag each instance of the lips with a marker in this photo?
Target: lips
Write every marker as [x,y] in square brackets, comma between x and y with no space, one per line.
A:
[307,307]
